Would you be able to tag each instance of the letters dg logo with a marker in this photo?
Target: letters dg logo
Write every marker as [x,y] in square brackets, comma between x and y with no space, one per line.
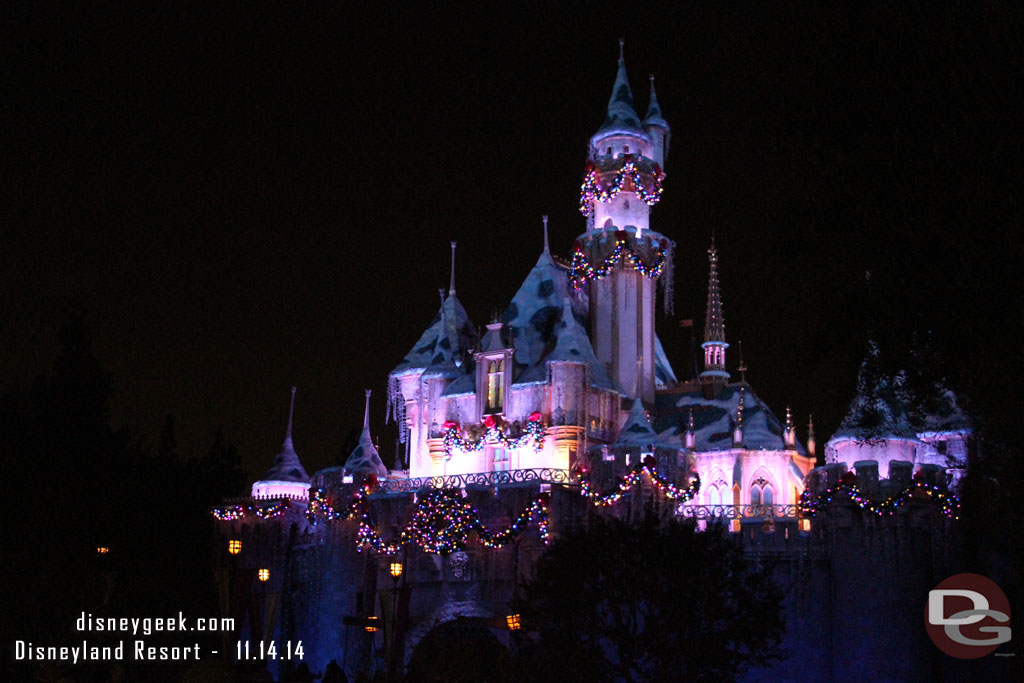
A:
[967,616]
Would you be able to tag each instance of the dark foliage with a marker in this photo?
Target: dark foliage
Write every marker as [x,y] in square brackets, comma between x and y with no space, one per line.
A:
[652,602]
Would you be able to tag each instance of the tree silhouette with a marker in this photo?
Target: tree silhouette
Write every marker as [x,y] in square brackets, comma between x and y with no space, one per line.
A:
[653,602]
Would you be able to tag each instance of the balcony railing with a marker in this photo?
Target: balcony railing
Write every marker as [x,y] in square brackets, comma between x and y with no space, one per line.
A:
[741,512]
[544,475]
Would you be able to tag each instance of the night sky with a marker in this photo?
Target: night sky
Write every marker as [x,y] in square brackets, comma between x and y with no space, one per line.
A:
[249,196]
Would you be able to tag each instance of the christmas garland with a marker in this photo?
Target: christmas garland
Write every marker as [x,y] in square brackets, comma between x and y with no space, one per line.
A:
[649,467]
[233,512]
[581,270]
[848,484]
[591,189]
[441,523]
[495,433]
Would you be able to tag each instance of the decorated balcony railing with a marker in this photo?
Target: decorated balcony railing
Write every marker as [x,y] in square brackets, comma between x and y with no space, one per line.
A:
[546,475]
[740,512]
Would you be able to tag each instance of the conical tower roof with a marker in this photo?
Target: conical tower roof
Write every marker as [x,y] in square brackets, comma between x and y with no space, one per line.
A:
[364,459]
[654,117]
[286,465]
[572,345]
[534,312]
[638,430]
[458,330]
[714,322]
[621,118]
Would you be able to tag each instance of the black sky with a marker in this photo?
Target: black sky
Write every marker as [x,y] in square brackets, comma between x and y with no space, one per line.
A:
[247,196]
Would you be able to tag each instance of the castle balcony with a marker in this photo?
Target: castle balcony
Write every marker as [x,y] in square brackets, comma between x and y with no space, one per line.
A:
[495,479]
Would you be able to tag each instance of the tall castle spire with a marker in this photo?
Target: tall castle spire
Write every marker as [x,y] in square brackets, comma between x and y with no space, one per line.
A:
[451,283]
[657,128]
[714,376]
[622,118]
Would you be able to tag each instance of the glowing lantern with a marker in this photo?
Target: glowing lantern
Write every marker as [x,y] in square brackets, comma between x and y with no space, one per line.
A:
[396,569]
[371,624]
[512,620]
[263,574]
[234,546]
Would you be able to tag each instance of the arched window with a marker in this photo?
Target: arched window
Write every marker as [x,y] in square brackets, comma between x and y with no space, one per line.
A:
[714,496]
[761,492]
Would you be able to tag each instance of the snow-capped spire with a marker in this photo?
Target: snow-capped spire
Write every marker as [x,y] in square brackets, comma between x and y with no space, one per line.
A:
[715,375]
[286,477]
[622,118]
[657,128]
[653,117]
[364,459]
[544,218]
[366,411]
[442,363]
[291,415]
[742,367]
[691,434]
[451,284]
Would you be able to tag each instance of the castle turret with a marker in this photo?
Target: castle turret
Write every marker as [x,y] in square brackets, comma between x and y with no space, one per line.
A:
[657,129]
[811,446]
[364,458]
[714,377]
[286,477]
[619,258]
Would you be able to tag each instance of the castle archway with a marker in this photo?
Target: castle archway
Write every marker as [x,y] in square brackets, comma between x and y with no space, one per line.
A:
[458,653]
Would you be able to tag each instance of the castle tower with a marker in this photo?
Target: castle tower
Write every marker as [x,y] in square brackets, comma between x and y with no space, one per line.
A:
[619,258]
[364,459]
[714,377]
[286,477]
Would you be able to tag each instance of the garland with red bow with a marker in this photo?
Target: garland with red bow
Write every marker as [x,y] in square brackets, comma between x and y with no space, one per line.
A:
[496,431]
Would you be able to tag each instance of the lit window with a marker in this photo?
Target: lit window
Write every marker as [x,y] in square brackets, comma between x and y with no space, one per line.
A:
[495,386]
[805,525]
[263,574]
[102,550]
[234,546]
[513,622]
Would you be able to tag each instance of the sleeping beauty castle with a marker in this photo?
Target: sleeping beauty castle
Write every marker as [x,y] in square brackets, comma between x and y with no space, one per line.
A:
[510,433]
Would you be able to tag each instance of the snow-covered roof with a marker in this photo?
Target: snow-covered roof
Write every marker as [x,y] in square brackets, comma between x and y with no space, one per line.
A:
[876,412]
[286,465]
[460,336]
[663,373]
[714,419]
[654,117]
[622,117]
[637,430]
[364,458]
[534,312]
[571,345]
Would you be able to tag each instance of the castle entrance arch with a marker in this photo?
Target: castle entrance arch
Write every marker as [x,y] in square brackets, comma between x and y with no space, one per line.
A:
[456,652]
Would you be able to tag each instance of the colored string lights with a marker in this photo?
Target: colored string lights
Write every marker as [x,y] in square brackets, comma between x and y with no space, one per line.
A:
[591,189]
[533,435]
[582,270]
[632,479]
[949,503]
[441,522]
[233,512]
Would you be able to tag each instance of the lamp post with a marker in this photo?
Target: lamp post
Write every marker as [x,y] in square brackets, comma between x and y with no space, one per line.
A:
[396,568]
